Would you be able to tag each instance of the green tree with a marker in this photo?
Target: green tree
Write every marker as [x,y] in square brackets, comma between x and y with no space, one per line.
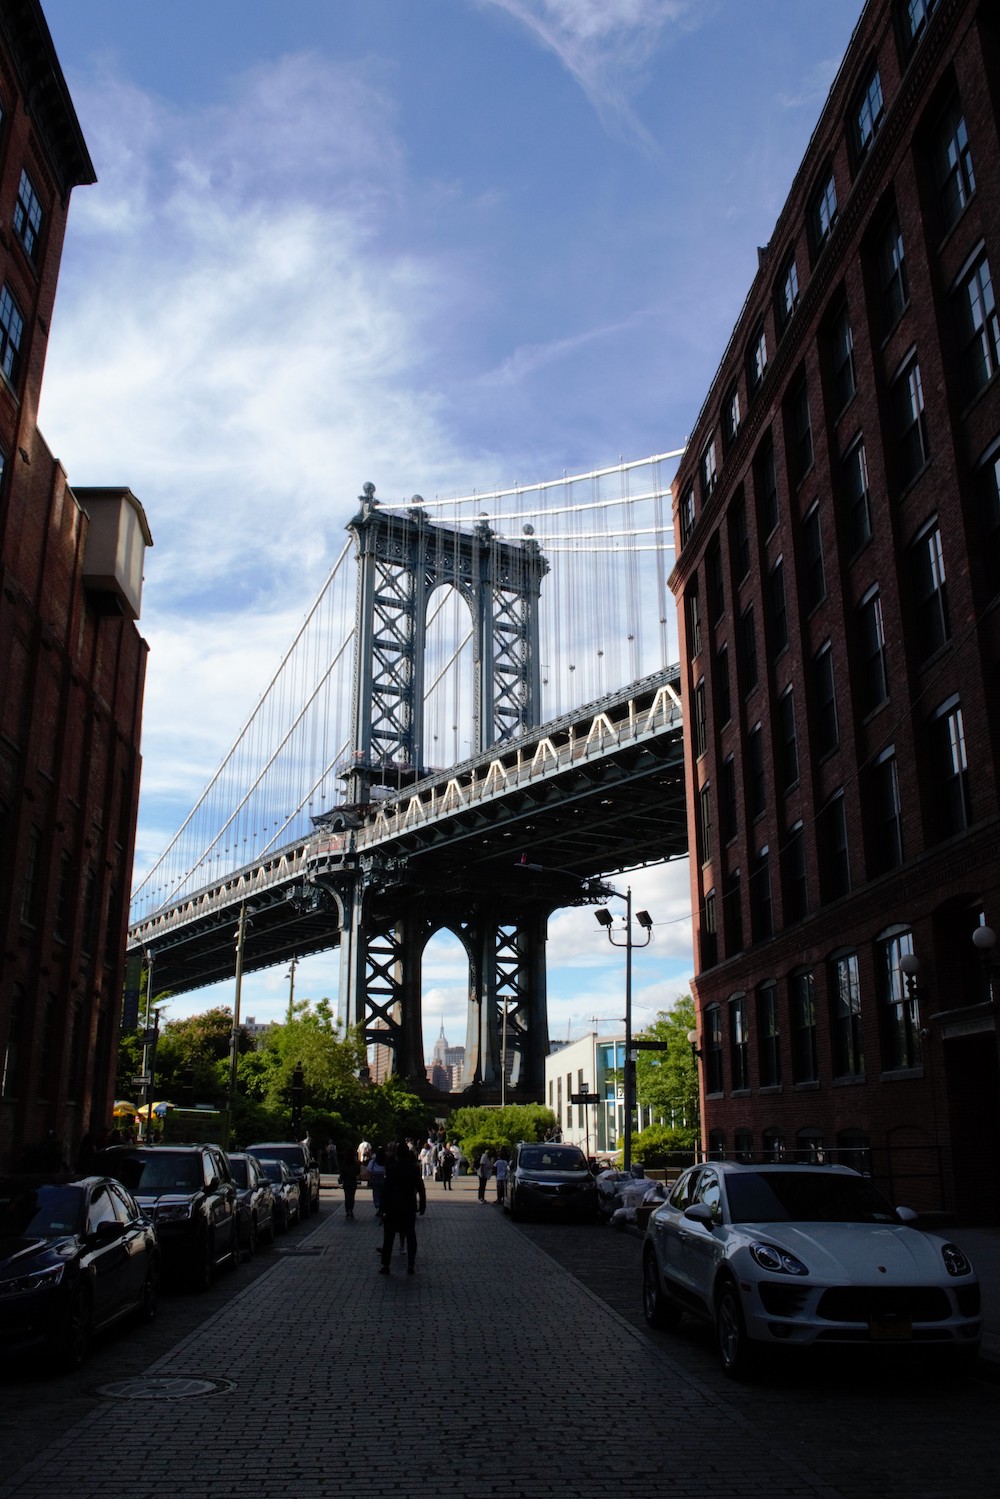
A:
[667,1081]
[477,1129]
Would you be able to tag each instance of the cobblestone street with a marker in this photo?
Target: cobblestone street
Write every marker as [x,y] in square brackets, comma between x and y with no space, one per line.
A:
[514,1362]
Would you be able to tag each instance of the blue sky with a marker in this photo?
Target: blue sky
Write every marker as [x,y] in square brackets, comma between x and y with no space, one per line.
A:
[438,244]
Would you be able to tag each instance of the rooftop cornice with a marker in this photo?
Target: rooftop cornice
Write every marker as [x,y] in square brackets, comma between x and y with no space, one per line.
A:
[46,96]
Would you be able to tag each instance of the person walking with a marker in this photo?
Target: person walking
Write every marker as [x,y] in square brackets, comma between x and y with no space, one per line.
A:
[501,1170]
[484,1171]
[376,1176]
[447,1168]
[403,1196]
[350,1170]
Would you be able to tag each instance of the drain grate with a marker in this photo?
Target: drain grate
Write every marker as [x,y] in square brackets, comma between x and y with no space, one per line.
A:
[179,1387]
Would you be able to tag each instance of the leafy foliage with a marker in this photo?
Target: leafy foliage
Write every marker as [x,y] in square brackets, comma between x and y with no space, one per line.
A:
[667,1080]
[661,1146]
[478,1129]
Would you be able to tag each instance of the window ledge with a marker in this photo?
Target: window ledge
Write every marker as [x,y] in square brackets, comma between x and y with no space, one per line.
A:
[809,1087]
[850,1080]
[769,1089]
[901,1075]
[741,1093]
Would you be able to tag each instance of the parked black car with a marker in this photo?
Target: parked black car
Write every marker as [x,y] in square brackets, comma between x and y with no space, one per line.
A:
[300,1162]
[255,1202]
[287,1201]
[551,1180]
[75,1256]
[189,1192]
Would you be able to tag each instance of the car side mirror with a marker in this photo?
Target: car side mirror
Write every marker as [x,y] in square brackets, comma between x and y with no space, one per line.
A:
[700,1212]
[106,1231]
[906,1215]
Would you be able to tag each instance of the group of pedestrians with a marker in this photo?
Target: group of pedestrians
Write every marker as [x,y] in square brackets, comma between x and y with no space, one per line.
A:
[496,1165]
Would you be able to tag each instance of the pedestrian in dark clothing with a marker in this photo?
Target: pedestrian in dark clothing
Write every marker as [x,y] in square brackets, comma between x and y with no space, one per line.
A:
[349,1173]
[403,1195]
[447,1168]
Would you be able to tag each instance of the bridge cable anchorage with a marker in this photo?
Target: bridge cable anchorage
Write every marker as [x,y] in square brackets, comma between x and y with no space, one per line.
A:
[556,581]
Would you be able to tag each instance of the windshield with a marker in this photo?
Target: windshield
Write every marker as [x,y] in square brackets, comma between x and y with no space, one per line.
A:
[552,1158]
[160,1171]
[805,1197]
[272,1169]
[290,1154]
[41,1212]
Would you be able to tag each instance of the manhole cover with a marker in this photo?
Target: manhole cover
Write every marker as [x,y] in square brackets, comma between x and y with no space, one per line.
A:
[182,1387]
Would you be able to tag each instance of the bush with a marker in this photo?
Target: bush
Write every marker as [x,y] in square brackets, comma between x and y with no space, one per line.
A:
[659,1145]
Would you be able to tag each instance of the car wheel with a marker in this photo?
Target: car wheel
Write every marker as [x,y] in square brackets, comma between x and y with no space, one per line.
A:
[73,1339]
[735,1354]
[150,1298]
[251,1248]
[658,1309]
[281,1218]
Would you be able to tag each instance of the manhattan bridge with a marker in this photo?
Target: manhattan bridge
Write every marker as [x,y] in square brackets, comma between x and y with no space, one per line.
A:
[478,723]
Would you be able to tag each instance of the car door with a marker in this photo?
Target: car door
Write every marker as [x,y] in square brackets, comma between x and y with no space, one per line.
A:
[134,1238]
[106,1256]
[222,1200]
[699,1247]
[667,1225]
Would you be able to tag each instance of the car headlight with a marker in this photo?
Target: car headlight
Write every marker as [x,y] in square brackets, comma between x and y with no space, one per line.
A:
[778,1261]
[35,1280]
[173,1212]
[955,1261]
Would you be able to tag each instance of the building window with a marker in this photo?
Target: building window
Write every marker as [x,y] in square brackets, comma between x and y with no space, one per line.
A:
[11,333]
[708,471]
[868,114]
[788,742]
[872,679]
[950,769]
[988,497]
[835,863]
[739,1043]
[979,327]
[756,359]
[709,934]
[29,889]
[916,14]
[786,292]
[12,1048]
[802,1014]
[755,784]
[845,1011]
[956,181]
[761,906]
[732,913]
[854,476]
[740,537]
[711,1021]
[768,1035]
[28,217]
[826,734]
[840,343]
[705,824]
[63,912]
[909,421]
[886,823]
[720,682]
[794,886]
[731,415]
[715,583]
[693,619]
[813,577]
[700,719]
[766,488]
[900,1022]
[893,280]
[773,1144]
[48,1054]
[748,651]
[777,607]
[823,212]
[930,590]
[685,514]
[809,1146]
[729,799]
[799,430]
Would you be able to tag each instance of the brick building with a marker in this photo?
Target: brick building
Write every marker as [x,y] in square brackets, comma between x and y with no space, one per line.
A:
[72,663]
[838,531]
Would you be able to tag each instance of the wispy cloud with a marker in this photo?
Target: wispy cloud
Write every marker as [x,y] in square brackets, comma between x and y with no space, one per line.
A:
[605,44]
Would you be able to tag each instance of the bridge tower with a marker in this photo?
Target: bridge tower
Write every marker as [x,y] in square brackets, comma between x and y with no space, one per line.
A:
[386,922]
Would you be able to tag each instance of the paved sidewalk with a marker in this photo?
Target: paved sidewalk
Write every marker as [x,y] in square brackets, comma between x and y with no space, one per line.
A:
[490,1371]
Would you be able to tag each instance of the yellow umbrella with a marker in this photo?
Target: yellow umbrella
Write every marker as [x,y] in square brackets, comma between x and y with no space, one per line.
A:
[123,1109]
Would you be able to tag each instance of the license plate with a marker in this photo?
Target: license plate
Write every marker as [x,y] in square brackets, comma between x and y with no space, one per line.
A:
[890,1329]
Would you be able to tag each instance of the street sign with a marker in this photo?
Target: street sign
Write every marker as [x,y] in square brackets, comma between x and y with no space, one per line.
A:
[142,1082]
[584,1098]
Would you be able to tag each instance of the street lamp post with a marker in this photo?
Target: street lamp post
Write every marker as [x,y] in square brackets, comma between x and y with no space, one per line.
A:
[290,976]
[644,919]
[234,1042]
